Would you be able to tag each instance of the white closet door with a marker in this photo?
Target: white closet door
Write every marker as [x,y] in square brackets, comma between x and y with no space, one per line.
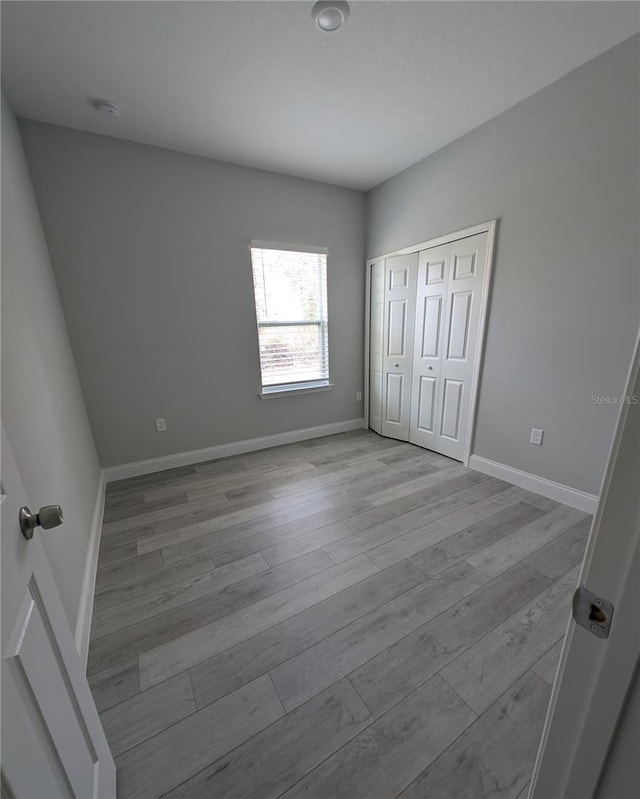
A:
[449,303]
[426,382]
[376,340]
[399,315]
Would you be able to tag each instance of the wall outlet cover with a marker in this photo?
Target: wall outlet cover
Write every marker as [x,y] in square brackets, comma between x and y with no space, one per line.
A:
[536,436]
[161,426]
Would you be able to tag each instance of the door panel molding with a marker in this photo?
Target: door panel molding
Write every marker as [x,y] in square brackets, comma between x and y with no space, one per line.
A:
[426,403]
[460,316]
[397,339]
[431,326]
[453,394]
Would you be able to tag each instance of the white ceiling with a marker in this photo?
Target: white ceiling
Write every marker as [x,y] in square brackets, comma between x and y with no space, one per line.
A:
[256,83]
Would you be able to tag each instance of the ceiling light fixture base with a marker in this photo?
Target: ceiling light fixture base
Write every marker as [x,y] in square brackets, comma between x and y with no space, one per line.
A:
[106,108]
[329,15]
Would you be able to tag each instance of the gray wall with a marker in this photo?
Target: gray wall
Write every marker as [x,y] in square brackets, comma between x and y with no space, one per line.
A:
[43,410]
[560,171]
[151,253]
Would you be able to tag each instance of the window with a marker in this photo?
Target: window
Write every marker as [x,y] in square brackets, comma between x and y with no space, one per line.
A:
[290,287]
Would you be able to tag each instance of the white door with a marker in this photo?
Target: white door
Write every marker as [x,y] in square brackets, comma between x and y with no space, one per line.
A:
[449,302]
[53,744]
[594,674]
[426,382]
[376,346]
[399,314]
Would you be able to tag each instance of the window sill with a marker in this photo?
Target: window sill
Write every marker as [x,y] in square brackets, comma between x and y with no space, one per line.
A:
[293,389]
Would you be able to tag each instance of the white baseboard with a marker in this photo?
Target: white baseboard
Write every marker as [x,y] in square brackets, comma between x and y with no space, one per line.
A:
[85,612]
[547,488]
[138,468]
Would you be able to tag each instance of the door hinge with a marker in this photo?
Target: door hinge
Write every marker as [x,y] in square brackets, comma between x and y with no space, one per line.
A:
[592,612]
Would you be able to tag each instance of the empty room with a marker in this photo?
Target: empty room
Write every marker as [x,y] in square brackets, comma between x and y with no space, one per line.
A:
[320,399]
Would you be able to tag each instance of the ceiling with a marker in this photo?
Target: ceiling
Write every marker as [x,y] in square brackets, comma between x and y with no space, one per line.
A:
[256,83]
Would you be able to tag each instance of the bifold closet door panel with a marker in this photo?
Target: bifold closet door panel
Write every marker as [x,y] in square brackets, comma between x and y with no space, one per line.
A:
[376,346]
[459,342]
[426,380]
[398,333]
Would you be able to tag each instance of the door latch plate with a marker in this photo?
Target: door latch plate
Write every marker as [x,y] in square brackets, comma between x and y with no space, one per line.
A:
[592,612]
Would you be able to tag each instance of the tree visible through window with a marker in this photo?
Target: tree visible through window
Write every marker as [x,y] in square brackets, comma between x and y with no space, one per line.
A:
[290,288]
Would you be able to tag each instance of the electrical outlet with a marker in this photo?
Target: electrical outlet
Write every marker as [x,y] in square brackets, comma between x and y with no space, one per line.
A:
[161,426]
[536,436]
[358,396]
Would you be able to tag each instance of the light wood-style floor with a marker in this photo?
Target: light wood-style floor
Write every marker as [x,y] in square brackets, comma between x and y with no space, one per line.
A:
[344,617]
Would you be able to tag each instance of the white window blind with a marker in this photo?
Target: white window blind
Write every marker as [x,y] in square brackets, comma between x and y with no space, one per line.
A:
[290,290]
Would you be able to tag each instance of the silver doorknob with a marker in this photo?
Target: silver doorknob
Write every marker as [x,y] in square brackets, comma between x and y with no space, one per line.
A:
[48,516]
[429,368]
[396,365]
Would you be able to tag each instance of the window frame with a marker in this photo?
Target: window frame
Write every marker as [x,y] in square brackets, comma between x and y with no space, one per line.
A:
[304,386]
